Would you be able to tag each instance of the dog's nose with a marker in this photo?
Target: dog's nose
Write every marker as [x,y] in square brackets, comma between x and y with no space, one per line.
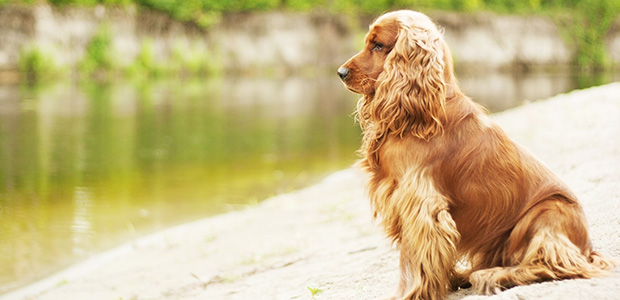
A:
[343,72]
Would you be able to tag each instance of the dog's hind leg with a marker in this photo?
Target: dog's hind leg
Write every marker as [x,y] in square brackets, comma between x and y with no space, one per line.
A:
[549,243]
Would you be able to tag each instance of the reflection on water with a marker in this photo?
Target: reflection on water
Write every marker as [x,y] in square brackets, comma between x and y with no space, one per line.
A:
[85,167]
[82,232]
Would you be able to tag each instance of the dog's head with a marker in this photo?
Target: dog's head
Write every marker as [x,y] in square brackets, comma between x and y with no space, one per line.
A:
[404,72]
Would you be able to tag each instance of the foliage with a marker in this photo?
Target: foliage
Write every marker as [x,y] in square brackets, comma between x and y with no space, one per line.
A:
[206,12]
[98,58]
[37,64]
[303,5]
[591,25]
[192,60]
[186,60]
[144,62]
[90,2]
[101,62]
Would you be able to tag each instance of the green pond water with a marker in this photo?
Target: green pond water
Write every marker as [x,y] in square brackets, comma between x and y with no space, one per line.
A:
[85,167]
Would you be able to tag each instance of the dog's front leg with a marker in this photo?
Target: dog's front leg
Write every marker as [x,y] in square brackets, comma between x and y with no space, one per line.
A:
[428,240]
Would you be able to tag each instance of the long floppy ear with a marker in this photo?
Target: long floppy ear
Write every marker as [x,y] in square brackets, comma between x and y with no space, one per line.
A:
[411,91]
[452,85]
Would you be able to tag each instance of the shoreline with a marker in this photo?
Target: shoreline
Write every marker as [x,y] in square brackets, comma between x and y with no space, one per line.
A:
[323,237]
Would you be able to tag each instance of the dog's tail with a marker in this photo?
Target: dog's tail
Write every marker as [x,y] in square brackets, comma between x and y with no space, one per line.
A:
[601,263]
[549,257]
[561,259]
[559,244]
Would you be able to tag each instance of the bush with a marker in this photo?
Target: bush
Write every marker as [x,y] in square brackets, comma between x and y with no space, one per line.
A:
[144,62]
[194,61]
[593,21]
[98,55]
[37,64]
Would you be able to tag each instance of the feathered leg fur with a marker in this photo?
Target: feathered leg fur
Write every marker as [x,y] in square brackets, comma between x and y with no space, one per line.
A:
[427,238]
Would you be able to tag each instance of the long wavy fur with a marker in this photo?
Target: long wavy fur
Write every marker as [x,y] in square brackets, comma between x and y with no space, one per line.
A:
[410,92]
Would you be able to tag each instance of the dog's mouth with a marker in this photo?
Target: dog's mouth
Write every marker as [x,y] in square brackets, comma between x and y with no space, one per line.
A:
[365,86]
[350,88]
[350,81]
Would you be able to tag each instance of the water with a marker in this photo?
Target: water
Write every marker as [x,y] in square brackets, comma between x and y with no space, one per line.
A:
[86,167]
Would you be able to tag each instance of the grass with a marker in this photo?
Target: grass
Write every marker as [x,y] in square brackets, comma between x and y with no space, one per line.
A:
[314,291]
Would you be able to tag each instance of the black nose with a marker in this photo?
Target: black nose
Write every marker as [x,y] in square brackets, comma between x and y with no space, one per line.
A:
[343,73]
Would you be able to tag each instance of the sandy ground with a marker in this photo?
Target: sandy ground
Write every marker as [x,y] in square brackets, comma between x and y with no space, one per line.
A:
[322,237]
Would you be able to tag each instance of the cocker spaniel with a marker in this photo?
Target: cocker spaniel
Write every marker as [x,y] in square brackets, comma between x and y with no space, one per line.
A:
[451,189]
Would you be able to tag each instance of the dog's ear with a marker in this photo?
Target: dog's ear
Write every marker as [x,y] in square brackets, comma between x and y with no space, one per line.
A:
[411,91]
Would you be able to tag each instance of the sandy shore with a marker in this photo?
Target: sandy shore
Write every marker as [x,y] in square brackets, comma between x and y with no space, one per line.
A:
[322,237]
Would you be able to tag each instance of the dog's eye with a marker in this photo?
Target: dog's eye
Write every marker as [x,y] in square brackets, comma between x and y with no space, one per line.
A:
[377,47]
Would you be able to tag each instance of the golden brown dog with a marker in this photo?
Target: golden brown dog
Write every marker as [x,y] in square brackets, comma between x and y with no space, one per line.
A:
[447,183]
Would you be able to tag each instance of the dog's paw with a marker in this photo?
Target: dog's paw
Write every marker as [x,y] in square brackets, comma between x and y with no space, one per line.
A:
[489,281]
[458,282]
